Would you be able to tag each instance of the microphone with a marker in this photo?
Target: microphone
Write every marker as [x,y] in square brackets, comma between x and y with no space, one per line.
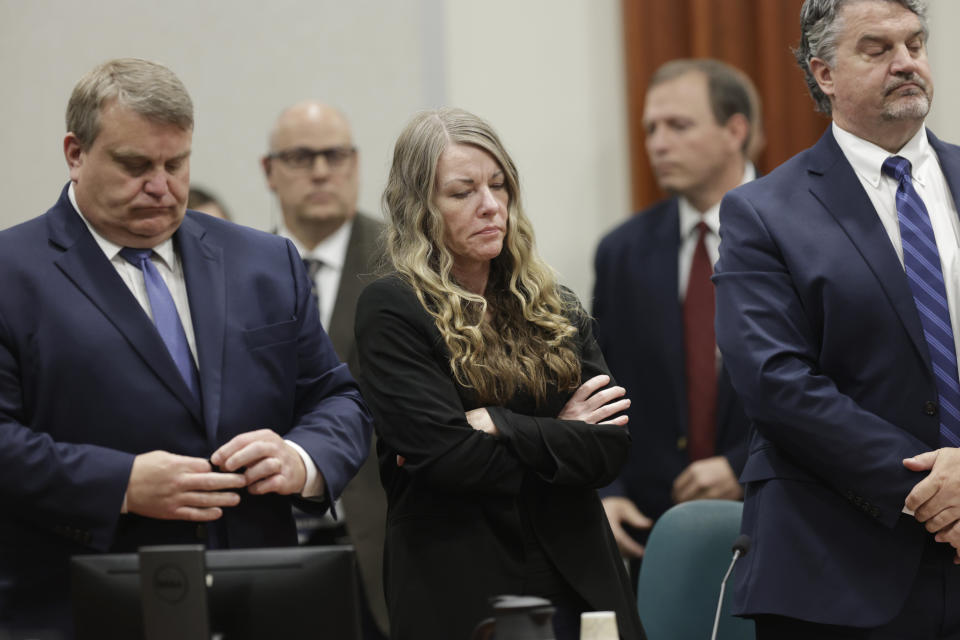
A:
[740,547]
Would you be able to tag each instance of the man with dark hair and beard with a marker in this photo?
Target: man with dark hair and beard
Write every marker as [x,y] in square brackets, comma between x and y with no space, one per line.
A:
[838,309]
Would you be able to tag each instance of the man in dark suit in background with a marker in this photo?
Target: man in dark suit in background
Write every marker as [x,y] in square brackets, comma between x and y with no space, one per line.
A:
[312,169]
[837,289]
[653,300]
[140,345]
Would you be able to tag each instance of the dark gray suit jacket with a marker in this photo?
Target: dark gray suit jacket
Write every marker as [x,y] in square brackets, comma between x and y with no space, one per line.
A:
[639,327]
[364,500]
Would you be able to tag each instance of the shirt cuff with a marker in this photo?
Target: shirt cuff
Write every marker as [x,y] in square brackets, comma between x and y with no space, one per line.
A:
[313,487]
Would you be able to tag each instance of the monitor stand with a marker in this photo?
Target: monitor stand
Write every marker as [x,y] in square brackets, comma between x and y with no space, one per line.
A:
[173,592]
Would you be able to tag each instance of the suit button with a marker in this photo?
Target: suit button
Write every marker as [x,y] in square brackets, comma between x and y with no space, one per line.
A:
[930,408]
[201,532]
[681,443]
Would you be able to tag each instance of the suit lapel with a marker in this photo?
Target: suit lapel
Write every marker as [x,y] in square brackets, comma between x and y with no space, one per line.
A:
[835,184]
[666,304]
[206,289]
[356,265]
[84,263]
[949,159]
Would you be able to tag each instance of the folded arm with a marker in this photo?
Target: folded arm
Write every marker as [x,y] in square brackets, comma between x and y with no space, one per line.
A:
[420,416]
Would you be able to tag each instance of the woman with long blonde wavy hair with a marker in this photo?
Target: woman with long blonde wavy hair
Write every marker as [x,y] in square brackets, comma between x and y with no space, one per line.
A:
[496,416]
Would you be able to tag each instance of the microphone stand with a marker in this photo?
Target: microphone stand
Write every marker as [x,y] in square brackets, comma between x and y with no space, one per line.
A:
[740,548]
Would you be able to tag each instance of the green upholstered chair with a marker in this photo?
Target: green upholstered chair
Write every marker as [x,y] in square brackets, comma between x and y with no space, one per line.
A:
[686,557]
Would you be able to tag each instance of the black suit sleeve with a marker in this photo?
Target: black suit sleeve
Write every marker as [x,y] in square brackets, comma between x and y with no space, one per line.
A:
[736,454]
[407,383]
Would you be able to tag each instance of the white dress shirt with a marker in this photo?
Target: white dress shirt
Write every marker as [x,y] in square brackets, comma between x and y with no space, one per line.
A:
[867,159]
[331,252]
[171,270]
[689,219]
[167,262]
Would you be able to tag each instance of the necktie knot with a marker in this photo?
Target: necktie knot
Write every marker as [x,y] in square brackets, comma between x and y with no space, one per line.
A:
[897,167]
[313,266]
[136,257]
[702,230]
[165,315]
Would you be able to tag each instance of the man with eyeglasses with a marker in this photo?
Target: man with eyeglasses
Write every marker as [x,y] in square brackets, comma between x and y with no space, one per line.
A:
[312,169]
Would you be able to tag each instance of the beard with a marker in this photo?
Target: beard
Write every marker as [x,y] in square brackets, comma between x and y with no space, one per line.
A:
[911,106]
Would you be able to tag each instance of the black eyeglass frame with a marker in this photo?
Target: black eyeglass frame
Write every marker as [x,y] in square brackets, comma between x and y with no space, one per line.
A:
[306,157]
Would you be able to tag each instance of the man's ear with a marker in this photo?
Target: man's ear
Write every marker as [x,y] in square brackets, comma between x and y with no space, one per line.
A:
[267,165]
[738,128]
[73,152]
[823,74]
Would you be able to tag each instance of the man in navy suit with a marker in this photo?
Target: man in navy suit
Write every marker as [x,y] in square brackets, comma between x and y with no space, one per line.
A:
[689,434]
[164,377]
[838,288]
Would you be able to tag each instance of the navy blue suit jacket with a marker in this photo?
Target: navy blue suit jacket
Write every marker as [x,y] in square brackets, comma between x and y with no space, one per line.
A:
[639,326]
[821,336]
[86,383]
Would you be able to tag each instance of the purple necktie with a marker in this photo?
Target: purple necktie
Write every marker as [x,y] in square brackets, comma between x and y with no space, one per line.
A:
[921,260]
[313,266]
[165,316]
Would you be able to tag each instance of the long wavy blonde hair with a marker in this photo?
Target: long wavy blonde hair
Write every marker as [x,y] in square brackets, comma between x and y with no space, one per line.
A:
[526,342]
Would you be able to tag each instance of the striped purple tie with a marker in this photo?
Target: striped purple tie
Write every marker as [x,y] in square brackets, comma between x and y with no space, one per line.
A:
[921,260]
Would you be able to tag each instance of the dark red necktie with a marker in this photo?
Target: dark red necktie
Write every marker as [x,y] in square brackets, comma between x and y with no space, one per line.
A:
[701,359]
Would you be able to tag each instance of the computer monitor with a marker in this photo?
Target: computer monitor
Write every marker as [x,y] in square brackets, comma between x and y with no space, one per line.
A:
[291,592]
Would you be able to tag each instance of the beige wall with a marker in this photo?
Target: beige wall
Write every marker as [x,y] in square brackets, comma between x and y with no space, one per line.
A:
[554,93]
[547,74]
[242,62]
[550,78]
[944,52]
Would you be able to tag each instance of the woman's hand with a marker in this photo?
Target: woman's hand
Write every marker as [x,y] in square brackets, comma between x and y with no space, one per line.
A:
[480,420]
[593,404]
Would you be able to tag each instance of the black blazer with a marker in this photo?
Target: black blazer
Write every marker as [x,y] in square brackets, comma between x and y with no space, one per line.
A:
[454,534]
[639,323]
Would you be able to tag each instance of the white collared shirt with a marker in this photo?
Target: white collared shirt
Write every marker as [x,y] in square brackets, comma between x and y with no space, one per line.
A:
[867,159]
[331,252]
[689,219]
[167,262]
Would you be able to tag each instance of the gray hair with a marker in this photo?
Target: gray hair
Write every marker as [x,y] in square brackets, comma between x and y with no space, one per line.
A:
[148,88]
[820,27]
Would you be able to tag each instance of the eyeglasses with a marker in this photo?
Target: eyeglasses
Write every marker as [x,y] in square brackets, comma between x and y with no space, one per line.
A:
[303,158]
